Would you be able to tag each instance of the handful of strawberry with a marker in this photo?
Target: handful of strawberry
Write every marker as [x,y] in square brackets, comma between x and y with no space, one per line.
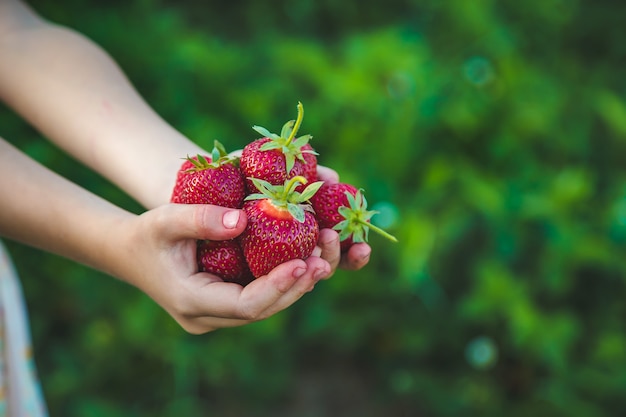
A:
[275,183]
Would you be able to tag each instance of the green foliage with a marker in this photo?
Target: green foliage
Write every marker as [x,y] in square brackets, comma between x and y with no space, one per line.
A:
[488,134]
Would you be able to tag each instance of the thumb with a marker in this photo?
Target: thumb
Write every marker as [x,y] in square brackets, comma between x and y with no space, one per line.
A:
[199,221]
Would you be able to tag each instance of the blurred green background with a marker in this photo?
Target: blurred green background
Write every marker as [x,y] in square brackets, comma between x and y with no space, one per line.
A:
[489,134]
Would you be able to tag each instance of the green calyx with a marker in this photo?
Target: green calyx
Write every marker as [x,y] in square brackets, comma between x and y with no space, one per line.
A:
[357,220]
[287,142]
[219,157]
[285,196]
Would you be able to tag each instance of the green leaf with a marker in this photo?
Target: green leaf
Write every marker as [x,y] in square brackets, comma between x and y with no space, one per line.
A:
[255,196]
[215,154]
[363,202]
[287,128]
[359,235]
[290,161]
[346,212]
[343,229]
[310,190]
[202,160]
[301,141]
[351,201]
[367,216]
[296,211]
[366,233]
[269,146]
[263,131]
[263,186]
[342,225]
[220,147]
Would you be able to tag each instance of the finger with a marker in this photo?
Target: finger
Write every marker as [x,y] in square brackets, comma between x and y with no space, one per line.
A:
[357,257]
[330,248]
[201,312]
[199,221]
[203,325]
[231,301]
[287,282]
[327,174]
[214,304]
[317,269]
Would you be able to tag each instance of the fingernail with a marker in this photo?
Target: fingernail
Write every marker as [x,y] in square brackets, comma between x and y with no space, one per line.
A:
[366,255]
[298,272]
[317,251]
[230,219]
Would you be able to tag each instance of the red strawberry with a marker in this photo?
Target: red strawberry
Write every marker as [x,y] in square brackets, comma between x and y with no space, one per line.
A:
[281,226]
[181,175]
[225,259]
[275,158]
[216,180]
[342,207]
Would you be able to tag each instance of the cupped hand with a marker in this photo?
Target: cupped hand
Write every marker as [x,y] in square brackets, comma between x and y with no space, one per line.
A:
[160,259]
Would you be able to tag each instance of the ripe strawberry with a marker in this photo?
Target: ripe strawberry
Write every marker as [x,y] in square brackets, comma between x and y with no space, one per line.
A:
[181,175]
[281,226]
[225,259]
[275,158]
[216,180]
[342,207]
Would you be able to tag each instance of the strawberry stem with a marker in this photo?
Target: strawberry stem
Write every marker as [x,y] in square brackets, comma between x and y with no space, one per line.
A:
[377,230]
[297,125]
[291,185]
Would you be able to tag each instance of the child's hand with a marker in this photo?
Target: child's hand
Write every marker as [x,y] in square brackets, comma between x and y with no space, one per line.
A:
[160,258]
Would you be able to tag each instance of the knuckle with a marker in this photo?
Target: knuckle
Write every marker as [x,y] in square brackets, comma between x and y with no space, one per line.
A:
[200,217]
[250,314]
[161,217]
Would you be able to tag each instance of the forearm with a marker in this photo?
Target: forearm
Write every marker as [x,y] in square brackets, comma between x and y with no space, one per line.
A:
[75,94]
[42,209]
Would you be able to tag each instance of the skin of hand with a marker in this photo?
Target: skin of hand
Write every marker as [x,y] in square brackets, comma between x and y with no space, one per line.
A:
[44,71]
